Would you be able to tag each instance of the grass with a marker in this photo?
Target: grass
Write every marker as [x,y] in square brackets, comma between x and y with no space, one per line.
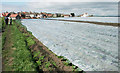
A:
[54,63]
[30,41]
[21,56]
[0,23]
[36,54]
[47,64]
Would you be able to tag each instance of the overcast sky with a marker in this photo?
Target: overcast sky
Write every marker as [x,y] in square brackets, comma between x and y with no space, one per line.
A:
[60,0]
[95,7]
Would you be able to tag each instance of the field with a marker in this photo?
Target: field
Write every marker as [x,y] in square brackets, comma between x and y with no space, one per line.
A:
[89,46]
[21,51]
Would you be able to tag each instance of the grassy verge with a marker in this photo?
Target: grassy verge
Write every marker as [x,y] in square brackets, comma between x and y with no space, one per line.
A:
[16,57]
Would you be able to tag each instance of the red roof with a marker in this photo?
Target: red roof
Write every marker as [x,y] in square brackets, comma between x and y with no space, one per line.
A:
[66,15]
[13,15]
[5,14]
[49,14]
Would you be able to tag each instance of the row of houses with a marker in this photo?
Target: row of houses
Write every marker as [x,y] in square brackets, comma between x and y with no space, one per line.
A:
[35,15]
[42,15]
[13,16]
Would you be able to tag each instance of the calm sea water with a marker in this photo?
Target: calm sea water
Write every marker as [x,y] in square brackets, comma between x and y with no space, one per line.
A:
[91,47]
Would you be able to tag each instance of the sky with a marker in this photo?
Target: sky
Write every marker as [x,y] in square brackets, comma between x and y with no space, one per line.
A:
[60,0]
[94,7]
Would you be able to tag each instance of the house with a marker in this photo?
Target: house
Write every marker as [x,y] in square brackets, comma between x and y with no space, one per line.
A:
[66,15]
[4,14]
[38,16]
[49,15]
[27,16]
[13,16]
[85,15]
[55,15]
[18,17]
[62,15]
[43,15]
[32,15]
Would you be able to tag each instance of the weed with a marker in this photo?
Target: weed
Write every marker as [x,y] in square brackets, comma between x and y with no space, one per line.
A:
[60,56]
[47,64]
[39,62]
[41,58]
[30,41]
[54,63]
[36,54]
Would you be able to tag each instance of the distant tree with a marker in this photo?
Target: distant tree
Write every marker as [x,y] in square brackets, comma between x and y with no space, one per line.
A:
[6,11]
[22,15]
[72,14]
[59,15]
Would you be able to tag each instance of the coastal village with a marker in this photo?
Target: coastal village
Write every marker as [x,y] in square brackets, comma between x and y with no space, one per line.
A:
[36,15]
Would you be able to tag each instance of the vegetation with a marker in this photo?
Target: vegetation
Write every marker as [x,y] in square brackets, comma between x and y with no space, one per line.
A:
[30,41]
[17,53]
[21,52]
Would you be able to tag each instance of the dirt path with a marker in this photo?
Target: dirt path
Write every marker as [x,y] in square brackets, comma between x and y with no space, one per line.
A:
[7,50]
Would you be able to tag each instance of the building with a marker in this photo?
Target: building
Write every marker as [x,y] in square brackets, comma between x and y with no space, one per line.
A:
[39,16]
[54,15]
[18,17]
[66,15]
[13,16]
[85,15]
[4,14]
[32,15]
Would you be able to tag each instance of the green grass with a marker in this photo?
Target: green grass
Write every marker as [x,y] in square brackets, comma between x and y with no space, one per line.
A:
[60,56]
[22,58]
[41,58]
[47,64]
[30,41]
[54,63]
[0,23]
[36,54]
[39,63]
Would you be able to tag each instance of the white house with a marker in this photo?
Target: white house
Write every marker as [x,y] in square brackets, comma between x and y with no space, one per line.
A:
[39,16]
[85,15]
[32,15]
